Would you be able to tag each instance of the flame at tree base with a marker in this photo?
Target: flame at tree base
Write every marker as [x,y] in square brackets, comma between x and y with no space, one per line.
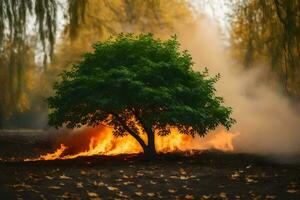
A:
[101,141]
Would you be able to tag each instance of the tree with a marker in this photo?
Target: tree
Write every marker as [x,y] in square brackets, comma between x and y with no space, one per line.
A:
[268,32]
[138,85]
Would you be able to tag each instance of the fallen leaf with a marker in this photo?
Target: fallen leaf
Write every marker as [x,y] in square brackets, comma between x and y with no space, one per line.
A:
[184,177]
[99,184]
[92,194]
[82,172]
[171,190]
[54,187]
[150,194]
[64,177]
[235,175]
[206,196]
[122,195]
[49,177]
[127,183]
[79,185]
[139,193]
[22,185]
[291,191]
[189,196]
[112,188]
[223,195]
[250,180]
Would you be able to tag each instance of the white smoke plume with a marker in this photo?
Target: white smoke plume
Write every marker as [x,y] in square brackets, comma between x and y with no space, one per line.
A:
[267,122]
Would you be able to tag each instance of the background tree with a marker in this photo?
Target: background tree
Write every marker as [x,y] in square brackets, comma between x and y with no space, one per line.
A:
[138,85]
[268,32]
[21,43]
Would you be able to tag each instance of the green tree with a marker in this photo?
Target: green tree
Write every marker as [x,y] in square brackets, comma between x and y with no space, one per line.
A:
[138,85]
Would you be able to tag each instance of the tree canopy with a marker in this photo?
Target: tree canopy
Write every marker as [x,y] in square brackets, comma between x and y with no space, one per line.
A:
[138,84]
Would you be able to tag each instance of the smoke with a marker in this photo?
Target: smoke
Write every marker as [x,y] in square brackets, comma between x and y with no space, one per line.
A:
[77,140]
[267,122]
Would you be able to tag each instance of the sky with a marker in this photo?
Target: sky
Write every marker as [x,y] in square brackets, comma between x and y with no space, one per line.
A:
[217,11]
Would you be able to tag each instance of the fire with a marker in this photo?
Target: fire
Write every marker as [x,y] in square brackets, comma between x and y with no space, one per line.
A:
[101,141]
[55,155]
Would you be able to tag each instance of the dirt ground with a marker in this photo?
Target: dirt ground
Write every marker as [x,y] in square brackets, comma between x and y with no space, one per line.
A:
[202,175]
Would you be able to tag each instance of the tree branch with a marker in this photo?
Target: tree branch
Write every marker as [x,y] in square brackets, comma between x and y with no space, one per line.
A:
[124,125]
[137,116]
[282,20]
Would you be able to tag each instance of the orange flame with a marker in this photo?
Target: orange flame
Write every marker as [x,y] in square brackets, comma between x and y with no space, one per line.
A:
[101,141]
[55,155]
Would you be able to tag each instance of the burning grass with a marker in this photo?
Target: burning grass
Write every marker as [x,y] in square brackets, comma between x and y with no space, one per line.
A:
[101,141]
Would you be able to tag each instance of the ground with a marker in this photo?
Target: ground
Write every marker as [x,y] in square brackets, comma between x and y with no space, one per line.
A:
[202,175]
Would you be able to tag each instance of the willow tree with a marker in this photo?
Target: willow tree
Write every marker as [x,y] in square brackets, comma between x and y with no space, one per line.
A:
[19,39]
[268,32]
[138,85]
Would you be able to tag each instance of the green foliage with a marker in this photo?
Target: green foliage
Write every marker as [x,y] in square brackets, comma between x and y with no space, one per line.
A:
[138,81]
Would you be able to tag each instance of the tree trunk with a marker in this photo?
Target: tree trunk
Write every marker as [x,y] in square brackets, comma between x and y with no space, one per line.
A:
[150,151]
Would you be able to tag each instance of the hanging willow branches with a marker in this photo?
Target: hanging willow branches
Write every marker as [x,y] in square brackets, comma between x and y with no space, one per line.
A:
[28,30]
[268,31]
[76,13]
[16,15]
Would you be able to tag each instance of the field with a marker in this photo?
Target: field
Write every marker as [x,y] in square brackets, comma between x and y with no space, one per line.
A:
[200,175]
